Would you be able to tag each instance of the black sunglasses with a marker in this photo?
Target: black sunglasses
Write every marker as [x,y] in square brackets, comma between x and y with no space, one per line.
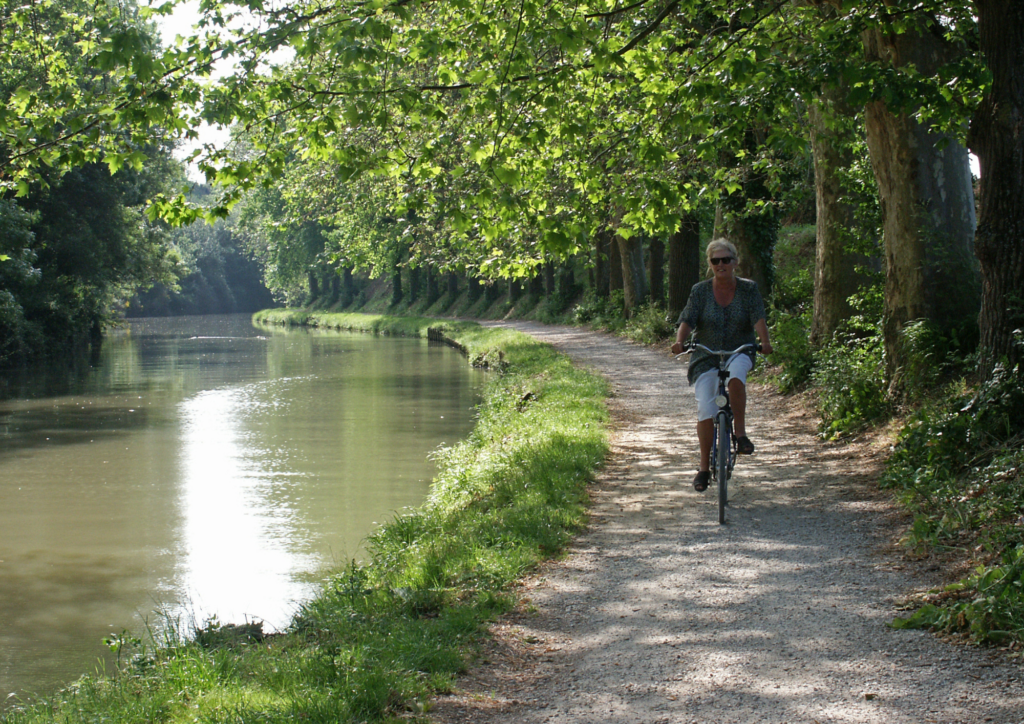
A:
[716,260]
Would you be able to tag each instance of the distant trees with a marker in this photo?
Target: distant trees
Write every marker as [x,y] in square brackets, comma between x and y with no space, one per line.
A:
[218,276]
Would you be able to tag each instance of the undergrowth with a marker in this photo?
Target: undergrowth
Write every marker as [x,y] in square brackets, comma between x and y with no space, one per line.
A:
[958,468]
[650,324]
[383,636]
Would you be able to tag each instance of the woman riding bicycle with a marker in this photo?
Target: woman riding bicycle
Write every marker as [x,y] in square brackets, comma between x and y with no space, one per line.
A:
[725,312]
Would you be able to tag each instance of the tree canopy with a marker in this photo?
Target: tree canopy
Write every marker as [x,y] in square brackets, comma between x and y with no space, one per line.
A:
[498,136]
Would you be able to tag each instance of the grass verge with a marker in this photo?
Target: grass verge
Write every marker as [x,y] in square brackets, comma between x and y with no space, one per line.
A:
[383,636]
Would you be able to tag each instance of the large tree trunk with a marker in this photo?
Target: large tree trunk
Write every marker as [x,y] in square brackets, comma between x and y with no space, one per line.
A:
[565,281]
[683,263]
[835,275]
[536,284]
[997,138]
[634,280]
[927,202]
[348,287]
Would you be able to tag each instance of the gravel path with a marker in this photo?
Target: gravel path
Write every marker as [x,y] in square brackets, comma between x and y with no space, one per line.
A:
[660,614]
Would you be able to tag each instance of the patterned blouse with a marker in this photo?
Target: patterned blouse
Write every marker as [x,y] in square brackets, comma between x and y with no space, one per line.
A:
[721,327]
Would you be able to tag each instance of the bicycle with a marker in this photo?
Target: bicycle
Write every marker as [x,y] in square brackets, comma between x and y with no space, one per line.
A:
[723,439]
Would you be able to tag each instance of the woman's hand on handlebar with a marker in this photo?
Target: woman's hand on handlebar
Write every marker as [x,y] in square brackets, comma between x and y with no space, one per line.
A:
[678,348]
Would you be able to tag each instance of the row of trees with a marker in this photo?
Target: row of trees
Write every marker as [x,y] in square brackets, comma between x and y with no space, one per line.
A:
[543,130]
[496,138]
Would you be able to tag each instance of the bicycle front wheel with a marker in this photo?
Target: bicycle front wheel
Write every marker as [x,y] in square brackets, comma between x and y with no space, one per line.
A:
[722,464]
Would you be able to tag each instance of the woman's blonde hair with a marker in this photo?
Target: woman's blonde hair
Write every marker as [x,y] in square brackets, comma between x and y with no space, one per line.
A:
[720,244]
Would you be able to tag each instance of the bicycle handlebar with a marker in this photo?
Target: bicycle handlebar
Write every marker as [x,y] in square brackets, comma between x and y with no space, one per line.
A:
[690,346]
[722,352]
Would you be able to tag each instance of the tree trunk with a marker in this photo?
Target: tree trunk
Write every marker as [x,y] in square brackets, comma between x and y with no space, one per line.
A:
[927,203]
[473,289]
[549,279]
[601,265]
[566,281]
[752,233]
[433,285]
[634,280]
[414,284]
[396,279]
[835,276]
[335,286]
[492,290]
[614,264]
[997,138]
[453,286]
[683,263]
[313,279]
[656,271]
[536,285]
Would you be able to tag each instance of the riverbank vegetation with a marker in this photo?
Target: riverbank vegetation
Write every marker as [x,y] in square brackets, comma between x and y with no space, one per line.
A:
[385,634]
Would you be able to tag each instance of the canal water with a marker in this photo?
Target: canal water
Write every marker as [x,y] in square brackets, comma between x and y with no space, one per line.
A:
[204,468]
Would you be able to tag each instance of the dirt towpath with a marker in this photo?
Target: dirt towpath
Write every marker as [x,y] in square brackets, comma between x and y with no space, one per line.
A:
[660,614]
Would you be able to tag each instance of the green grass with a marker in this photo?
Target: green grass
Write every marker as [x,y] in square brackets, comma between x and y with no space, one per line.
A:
[382,637]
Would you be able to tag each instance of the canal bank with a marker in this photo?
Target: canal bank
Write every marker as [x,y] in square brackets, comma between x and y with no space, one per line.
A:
[381,638]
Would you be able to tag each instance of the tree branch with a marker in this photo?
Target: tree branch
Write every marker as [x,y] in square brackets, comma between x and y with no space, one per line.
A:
[649,29]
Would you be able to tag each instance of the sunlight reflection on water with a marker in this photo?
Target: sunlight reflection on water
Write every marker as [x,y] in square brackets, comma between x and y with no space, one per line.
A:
[190,477]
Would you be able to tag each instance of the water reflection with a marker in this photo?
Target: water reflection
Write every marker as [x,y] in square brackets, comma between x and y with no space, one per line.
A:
[204,474]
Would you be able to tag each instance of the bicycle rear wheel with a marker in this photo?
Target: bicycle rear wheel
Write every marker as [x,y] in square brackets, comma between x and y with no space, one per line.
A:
[722,464]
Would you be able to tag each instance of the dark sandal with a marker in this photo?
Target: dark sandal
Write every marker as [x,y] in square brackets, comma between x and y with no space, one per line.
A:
[744,446]
[701,482]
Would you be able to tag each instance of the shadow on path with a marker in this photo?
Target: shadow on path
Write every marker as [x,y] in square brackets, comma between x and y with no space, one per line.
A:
[660,614]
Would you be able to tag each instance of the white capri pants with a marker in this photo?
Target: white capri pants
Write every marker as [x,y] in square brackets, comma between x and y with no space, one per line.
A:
[705,387]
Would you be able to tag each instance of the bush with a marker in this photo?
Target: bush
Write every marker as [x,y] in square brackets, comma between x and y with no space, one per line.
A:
[649,325]
[793,356]
[602,313]
[959,468]
[850,373]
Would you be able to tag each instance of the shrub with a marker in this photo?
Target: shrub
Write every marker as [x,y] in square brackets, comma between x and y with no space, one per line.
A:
[649,325]
[851,376]
[959,468]
[793,356]
[603,313]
